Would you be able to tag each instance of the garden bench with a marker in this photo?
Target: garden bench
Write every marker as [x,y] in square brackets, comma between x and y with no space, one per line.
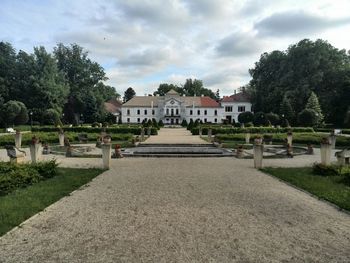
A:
[343,156]
[16,155]
[82,137]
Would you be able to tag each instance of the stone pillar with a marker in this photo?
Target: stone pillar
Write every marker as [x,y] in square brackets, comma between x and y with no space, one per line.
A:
[106,155]
[18,139]
[209,134]
[61,139]
[142,134]
[34,152]
[258,154]
[326,153]
[149,131]
[290,139]
[332,139]
[247,138]
[200,131]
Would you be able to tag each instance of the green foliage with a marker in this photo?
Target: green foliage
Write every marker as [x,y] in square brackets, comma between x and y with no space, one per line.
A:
[314,104]
[245,117]
[184,123]
[326,170]
[164,88]
[308,117]
[129,94]
[273,118]
[260,119]
[14,112]
[13,176]
[231,130]
[160,123]
[285,123]
[51,116]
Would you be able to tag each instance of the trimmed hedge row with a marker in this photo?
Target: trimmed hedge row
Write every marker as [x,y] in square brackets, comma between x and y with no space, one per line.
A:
[215,130]
[344,131]
[14,176]
[52,137]
[300,138]
[119,130]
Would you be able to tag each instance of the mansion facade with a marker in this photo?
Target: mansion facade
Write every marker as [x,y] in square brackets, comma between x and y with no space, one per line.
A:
[173,109]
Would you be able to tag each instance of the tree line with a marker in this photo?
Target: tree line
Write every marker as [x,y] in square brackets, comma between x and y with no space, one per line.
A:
[50,87]
[289,82]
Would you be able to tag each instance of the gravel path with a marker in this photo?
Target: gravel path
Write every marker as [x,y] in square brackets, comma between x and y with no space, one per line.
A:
[183,210]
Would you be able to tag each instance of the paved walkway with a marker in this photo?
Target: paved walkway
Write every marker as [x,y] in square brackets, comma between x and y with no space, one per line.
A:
[174,136]
[183,210]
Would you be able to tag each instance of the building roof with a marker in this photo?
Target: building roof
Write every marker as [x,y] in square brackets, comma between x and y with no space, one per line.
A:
[238,97]
[172,92]
[146,101]
[113,106]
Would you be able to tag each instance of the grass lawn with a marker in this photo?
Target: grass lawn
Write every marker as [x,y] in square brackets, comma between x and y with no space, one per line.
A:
[329,188]
[21,204]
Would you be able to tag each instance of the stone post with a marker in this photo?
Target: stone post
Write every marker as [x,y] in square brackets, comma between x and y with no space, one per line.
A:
[290,138]
[61,139]
[34,152]
[106,155]
[247,138]
[209,134]
[149,131]
[18,139]
[258,154]
[200,132]
[326,153]
[142,134]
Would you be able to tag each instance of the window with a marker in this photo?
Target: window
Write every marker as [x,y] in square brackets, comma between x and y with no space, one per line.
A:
[167,111]
[172,112]
[241,108]
[153,112]
[128,112]
[145,112]
[205,112]
[199,112]
[138,112]
[191,112]
[205,120]
[228,108]
[216,113]
[138,120]
[215,120]
[177,111]
[128,120]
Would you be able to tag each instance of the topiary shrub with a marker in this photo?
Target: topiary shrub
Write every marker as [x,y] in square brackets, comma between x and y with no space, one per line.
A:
[326,170]
[273,118]
[160,123]
[95,125]
[184,123]
[245,117]
[307,117]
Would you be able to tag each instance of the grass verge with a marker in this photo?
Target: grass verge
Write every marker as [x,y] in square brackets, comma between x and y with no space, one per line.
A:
[330,188]
[23,203]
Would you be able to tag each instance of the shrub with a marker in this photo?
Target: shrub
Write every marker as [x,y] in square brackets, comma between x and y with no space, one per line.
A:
[160,123]
[184,123]
[307,117]
[285,123]
[51,116]
[326,170]
[95,124]
[46,169]
[260,119]
[273,118]
[246,117]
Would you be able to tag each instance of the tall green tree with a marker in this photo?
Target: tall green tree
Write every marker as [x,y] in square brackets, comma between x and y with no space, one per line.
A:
[313,104]
[129,94]
[7,69]
[164,88]
[286,110]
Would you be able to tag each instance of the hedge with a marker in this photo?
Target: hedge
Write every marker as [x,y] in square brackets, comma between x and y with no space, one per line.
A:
[219,130]
[119,130]
[343,131]
[52,137]
[300,138]
[13,176]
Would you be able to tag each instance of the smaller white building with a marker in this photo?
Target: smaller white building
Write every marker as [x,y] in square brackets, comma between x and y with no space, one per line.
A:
[173,108]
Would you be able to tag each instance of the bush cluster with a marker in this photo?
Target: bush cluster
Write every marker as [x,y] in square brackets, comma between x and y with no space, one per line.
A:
[14,176]
[231,130]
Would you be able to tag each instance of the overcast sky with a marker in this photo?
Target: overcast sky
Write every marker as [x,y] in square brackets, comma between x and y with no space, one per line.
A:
[144,43]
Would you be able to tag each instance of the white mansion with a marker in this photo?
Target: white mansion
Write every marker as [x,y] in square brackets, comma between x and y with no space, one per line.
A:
[173,108]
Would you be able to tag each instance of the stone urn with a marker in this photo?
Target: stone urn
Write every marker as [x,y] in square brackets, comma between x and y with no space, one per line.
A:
[107,139]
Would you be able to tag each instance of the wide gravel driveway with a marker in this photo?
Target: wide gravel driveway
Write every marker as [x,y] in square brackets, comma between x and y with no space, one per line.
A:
[183,210]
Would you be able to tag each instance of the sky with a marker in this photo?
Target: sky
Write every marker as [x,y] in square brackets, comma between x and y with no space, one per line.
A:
[142,43]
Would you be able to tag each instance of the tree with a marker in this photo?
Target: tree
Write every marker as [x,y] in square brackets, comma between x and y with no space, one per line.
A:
[184,123]
[52,116]
[22,116]
[7,69]
[129,94]
[286,110]
[10,111]
[245,117]
[308,117]
[313,104]
[195,88]
[273,118]
[260,119]
[217,95]
[164,88]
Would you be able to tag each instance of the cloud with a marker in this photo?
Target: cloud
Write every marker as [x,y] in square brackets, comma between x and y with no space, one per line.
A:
[296,23]
[239,44]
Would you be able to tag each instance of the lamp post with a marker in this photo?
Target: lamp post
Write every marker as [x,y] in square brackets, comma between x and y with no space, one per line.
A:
[31,120]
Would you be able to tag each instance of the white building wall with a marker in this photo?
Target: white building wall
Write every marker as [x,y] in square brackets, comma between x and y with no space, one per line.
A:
[234,114]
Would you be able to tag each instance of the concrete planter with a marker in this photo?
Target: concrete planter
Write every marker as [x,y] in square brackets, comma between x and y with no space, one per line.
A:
[200,132]
[18,140]
[332,140]
[35,152]
[149,131]
[106,155]
[210,134]
[247,138]
[326,153]
[290,139]
[61,139]
[258,155]
[142,134]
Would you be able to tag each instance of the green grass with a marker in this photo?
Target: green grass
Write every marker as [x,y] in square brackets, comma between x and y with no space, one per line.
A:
[330,188]
[23,203]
